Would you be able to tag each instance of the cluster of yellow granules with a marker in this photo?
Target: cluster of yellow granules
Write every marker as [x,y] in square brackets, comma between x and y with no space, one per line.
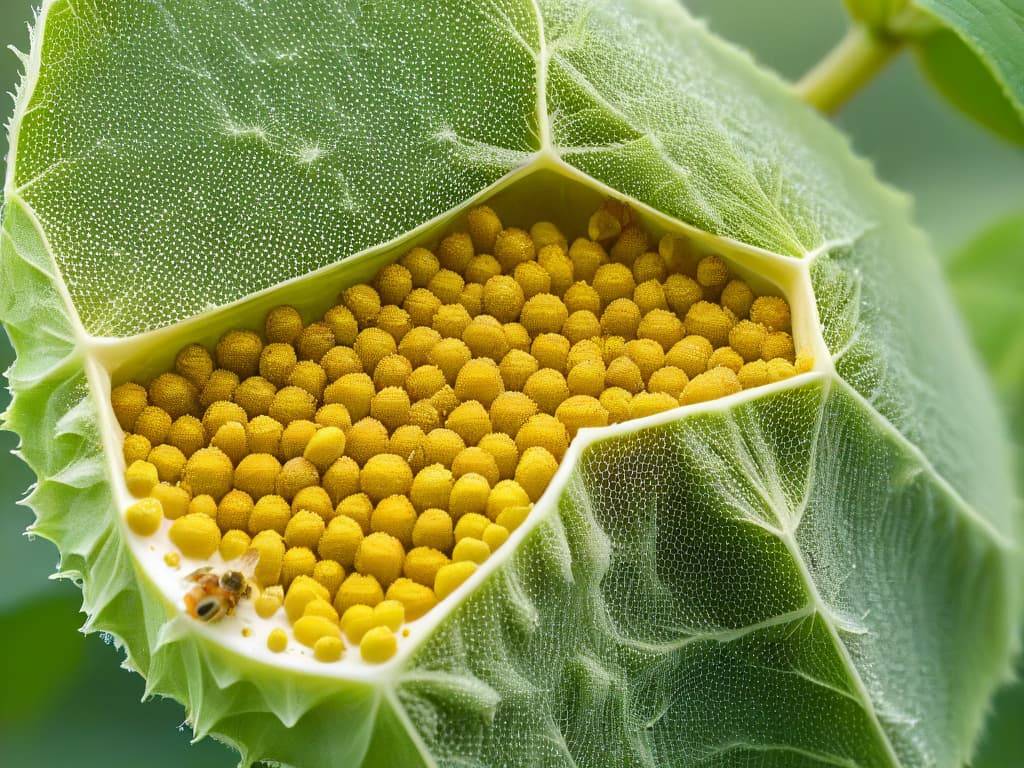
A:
[376,457]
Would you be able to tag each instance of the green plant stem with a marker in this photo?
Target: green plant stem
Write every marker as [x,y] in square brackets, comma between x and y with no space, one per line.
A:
[847,68]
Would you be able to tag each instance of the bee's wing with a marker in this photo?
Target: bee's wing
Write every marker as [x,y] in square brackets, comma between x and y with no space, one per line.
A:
[248,561]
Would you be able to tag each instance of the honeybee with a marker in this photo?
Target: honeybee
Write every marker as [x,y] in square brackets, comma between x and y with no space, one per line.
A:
[216,594]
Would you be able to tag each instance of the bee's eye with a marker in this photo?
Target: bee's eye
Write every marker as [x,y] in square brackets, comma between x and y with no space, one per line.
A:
[208,609]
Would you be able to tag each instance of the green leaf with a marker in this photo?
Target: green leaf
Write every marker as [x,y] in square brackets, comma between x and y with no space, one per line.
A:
[821,571]
[966,81]
[969,50]
[988,277]
[993,31]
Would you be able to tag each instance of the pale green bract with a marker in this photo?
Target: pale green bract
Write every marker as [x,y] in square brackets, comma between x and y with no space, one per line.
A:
[821,572]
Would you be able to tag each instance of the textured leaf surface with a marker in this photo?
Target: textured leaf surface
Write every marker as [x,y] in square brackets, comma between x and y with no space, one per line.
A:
[993,31]
[817,574]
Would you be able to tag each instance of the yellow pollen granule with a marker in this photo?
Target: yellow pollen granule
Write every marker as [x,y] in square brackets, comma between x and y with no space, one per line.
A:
[513,246]
[416,599]
[485,337]
[544,313]
[230,438]
[648,266]
[516,367]
[144,516]
[482,268]
[220,413]
[711,321]
[502,448]
[621,318]
[447,286]
[517,337]
[475,460]
[441,446]
[433,529]
[776,344]
[536,468]
[545,431]
[649,295]
[277,362]
[357,589]
[296,474]
[314,498]
[581,411]
[268,602]
[174,394]
[586,256]
[366,438]
[141,477]
[432,487]
[483,225]
[269,513]
[503,298]
[747,337]
[473,550]
[582,296]
[424,415]
[737,298]
[393,284]
[663,327]
[682,292]
[378,645]
[195,535]
[450,577]
[385,475]
[391,407]
[559,268]
[630,245]
[712,272]
[396,516]
[204,505]
[298,561]
[277,640]
[363,302]
[208,471]
[304,530]
[187,434]
[614,281]
[328,649]
[547,388]
[221,386]
[422,265]
[424,382]
[480,380]
[282,325]
[173,499]
[726,357]
[257,474]
[624,373]
[532,278]
[668,380]
[507,493]
[343,324]
[648,403]
[340,540]
[270,545]
[510,410]
[380,555]
[373,345]
[239,352]
[718,382]
[195,364]
[451,321]
[616,401]
[468,496]
[154,424]
[581,324]
[234,544]
[449,355]
[234,510]
[471,525]
[691,355]
[423,563]
[772,312]
[470,420]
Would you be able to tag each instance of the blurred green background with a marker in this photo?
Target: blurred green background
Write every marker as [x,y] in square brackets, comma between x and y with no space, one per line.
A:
[64,700]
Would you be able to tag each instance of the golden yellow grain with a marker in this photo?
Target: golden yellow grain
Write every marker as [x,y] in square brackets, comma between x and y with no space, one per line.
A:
[282,325]
[154,424]
[470,420]
[234,511]
[239,352]
[718,382]
[432,487]
[432,529]
[485,337]
[536,468]
[393,283]
[621,318]
[340,540]
[772,312]
[186,434]
[423,563]
[483,225]
[195,364]
[342,323]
